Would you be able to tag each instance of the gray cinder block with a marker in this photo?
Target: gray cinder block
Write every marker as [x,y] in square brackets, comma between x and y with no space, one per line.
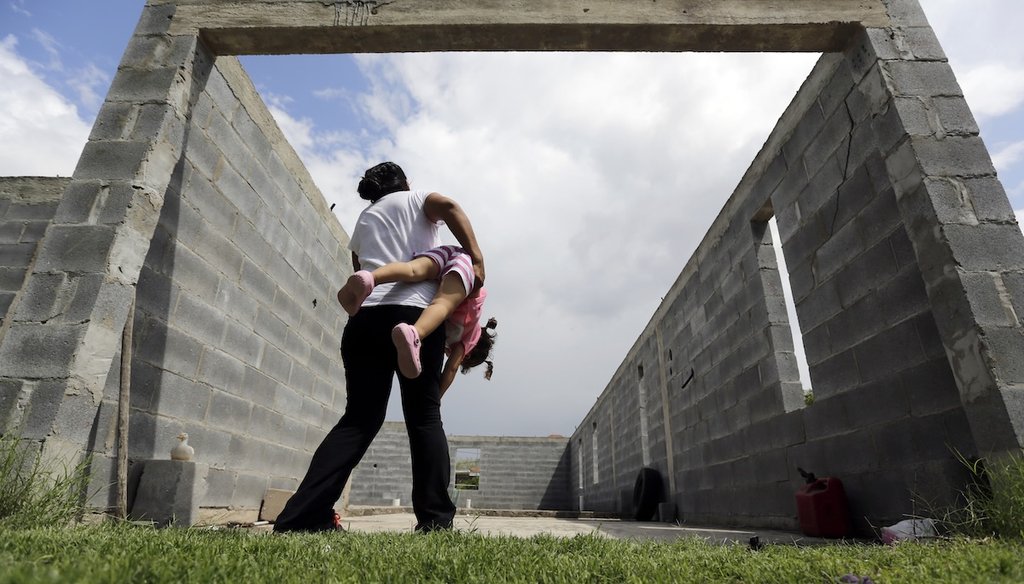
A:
[990,247]
[38,351]
[222,371]
[140,85]
[276,364]
[273,503]
[242,343]
[75,249]
[111,160]
[202,321]
[229,412]
[667,512]
[169,492]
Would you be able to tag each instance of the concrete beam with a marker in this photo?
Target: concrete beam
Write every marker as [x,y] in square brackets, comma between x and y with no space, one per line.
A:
[235,27]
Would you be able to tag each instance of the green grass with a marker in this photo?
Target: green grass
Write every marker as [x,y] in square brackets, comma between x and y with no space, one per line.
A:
[125,553]
[1000,499]
[33,495]
[991,504]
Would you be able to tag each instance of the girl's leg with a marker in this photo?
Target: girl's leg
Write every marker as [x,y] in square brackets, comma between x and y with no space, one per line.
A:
[407,338]
[449,295]
[355,290]
[360,284]
[418,269]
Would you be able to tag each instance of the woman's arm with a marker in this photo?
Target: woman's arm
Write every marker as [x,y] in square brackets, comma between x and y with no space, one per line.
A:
[440,208]
[451,367]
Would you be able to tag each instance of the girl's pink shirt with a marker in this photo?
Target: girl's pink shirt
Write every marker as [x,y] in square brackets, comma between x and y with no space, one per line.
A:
[463,326]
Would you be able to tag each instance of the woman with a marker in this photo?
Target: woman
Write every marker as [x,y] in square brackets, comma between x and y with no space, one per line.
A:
[397,224]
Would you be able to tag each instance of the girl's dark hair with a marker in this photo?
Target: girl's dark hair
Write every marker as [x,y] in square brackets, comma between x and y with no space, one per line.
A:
[482,350]
[380,180]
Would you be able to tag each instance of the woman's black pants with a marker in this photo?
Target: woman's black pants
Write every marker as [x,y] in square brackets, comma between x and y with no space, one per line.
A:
[370,365]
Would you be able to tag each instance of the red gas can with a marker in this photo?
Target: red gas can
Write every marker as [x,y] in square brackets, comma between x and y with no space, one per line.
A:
[821,507]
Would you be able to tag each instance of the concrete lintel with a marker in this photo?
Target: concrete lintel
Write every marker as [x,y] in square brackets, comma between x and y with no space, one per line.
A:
[827,37]
[232,27]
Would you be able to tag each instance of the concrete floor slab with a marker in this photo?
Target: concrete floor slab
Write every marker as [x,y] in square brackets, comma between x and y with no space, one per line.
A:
[613,528]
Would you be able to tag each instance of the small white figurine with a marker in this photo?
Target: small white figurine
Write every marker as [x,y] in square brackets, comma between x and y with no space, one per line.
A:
[182,451]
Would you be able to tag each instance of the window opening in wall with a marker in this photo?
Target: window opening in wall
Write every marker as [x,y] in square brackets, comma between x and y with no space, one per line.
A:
[641,395]
[787,294]
[593,451]
[467,468]
[579,464]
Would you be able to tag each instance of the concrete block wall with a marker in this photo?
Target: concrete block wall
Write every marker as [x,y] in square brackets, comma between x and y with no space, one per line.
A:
[62,334]
[515,472]
[632,406]
[236,326]
[961,226]
[385,471]
[27,206]
[902,252]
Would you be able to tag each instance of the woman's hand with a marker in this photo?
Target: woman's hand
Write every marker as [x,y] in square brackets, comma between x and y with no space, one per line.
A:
[478,271]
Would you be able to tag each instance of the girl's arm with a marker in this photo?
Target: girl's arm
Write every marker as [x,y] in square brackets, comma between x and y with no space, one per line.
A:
[451,367]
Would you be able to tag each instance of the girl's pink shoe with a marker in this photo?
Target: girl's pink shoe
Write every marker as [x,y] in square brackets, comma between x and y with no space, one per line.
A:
[355,290]
[407,343]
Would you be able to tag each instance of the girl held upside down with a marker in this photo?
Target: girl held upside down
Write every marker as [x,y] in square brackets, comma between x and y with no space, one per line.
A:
[457,301]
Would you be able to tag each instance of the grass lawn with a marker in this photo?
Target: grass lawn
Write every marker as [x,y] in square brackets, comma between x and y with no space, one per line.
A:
[139,554]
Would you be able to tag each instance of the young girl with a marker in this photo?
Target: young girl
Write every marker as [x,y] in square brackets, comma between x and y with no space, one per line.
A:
[467,343]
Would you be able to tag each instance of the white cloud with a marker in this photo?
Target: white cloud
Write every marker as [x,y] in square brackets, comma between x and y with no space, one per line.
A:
[51,47]
[87,81]
[1008,156]
[41,132]
[299,132]
[980,41]
[334,94]
[18,7]
[993,89]
[278,100]
[1015,193]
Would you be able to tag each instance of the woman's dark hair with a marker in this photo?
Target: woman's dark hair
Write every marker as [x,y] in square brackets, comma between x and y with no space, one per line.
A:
[482,350]
[380,180]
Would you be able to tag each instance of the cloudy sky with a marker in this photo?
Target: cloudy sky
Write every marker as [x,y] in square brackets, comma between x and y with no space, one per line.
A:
[590,178]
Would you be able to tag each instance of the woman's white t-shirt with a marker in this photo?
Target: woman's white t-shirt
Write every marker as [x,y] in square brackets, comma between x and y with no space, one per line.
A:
[393,229]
